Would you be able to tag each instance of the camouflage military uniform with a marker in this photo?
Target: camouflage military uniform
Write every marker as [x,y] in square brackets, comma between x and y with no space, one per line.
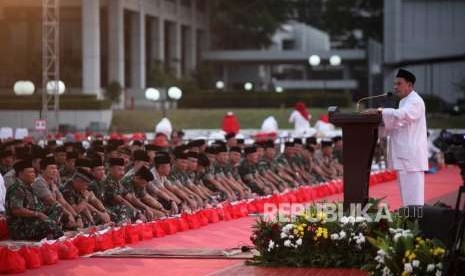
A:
[9,178]
[247,171]
[179,176]
[20,195]
[65,175]
[119,212]
[97,188]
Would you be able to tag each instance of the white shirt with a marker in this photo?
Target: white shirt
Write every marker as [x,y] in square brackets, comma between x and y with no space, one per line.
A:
[2,194]
[301,124]
[406,129]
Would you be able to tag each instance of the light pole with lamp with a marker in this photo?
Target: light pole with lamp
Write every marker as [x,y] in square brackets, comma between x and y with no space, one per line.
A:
[55,89]
[154,95]
[23,88]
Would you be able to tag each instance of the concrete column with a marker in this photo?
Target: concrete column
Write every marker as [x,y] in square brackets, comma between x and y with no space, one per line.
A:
[138,51]
[158,40]
[176,40]
[116,41]
[91,47]
[191,49]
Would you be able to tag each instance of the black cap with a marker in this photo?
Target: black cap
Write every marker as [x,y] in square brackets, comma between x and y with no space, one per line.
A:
[221,149]
[5,154]
[298,141]
[211,150]
[180,155]
[116,162]
[408,76]
[203,160]
[196,143]
[269,144]
[96,162]
[289,144]
[46,162]
[230,136]
[84,163]
[137,143]
[141,155]
[250,149]
[311,141]
[326,144]
[161,159]
[240,141]
[337,138]
[145,174]
[235,149]
[22,165]
[71,155]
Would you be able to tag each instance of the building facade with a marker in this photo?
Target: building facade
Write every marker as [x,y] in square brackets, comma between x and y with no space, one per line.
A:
[428,38]
[103,41]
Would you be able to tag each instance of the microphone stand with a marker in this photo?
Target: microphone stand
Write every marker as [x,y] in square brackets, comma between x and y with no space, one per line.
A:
[368,98]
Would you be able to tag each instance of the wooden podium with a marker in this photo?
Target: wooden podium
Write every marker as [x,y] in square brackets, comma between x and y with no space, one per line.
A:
[359,136]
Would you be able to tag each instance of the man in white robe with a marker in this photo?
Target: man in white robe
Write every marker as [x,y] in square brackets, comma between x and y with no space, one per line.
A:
[406,130]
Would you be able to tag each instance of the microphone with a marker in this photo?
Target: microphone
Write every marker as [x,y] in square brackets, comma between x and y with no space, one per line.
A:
[387,94]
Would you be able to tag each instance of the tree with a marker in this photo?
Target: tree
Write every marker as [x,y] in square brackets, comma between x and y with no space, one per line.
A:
[113,92]
[247,24]
[344,19]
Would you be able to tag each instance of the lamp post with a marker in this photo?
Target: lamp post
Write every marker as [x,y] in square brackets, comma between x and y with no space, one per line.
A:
[220,85]
[56,88]
[248,86]
[173,93]
[24,88]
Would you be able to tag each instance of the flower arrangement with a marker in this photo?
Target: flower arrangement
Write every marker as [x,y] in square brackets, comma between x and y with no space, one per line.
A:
[403,252]
[312,239]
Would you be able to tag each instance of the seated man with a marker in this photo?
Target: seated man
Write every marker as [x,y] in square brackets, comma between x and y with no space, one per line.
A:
[327,162]
[46,189]
[158,188]
[137,195]
[250,174]
[27,218]
[121,210]
[69,167]
[76,193]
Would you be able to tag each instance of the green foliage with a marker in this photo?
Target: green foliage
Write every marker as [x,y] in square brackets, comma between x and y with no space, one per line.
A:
[113,92]
[160,77]
[247,24]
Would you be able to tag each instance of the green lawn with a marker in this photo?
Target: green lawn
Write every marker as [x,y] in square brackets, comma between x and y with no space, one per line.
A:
[145,120]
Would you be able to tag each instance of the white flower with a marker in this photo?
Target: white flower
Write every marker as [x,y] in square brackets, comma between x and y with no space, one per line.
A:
[351,220]
[439,273]
[360,239]
[291,236]
[408,267]
[386,271]
[271,245]
[298,242]
[430,268]
[360,219]
[415,263]
[397,236]
[287,243]
[283,235]
[439,265]
[334,237]
[342,235]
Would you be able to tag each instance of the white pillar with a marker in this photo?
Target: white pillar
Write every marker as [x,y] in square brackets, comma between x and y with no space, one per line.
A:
[191,49]
[91,47]
[177,46]
[157,37]
[116,41]
[138,51]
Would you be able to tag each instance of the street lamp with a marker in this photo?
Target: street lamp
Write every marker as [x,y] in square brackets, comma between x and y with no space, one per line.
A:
[24,88]
[335,60]
[220,85]
[174,93]
[279,89]
[314,60]
[248,86]
[54,87]
[153,94]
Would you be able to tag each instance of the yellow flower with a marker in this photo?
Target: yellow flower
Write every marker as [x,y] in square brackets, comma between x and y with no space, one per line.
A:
[405,273]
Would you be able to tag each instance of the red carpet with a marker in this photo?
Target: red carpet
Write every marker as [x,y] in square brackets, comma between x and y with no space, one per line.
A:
[229,234]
